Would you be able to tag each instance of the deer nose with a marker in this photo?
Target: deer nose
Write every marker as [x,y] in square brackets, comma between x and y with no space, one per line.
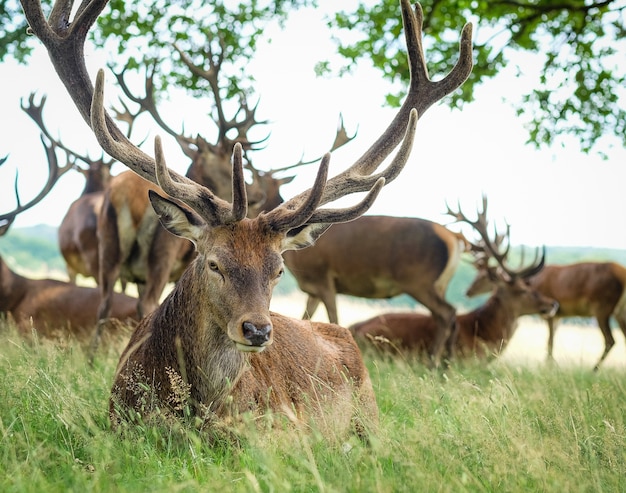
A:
[257,335]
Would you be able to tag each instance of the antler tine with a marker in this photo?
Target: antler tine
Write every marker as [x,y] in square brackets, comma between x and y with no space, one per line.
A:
[147,103]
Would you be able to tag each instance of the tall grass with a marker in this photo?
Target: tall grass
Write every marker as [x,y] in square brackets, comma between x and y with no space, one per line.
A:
[501,427]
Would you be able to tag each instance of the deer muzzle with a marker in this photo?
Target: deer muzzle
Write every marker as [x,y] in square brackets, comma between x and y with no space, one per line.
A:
[253,337]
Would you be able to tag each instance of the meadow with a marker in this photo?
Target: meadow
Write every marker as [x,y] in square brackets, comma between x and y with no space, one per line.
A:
[516,424]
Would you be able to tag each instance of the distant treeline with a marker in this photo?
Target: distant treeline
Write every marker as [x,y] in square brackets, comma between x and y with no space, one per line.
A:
[34,251]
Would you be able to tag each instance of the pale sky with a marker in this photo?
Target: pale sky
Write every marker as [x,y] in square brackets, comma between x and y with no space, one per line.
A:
[557,197]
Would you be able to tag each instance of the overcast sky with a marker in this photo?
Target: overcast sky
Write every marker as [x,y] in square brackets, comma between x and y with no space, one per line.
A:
[556,197]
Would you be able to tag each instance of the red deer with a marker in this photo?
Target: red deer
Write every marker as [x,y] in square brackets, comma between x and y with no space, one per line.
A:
[77,232]
[382,257]
[214,331]
[56,308]
[584,289]
[482,333]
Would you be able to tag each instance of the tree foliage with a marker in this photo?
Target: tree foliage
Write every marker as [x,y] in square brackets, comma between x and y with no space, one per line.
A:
[581,88]
[580,91]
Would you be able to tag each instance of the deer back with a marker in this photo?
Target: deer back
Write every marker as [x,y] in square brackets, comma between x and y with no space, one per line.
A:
[378,257]
[51,306]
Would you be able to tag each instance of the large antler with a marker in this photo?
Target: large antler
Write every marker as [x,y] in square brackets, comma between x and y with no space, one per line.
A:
[498,248]
[65,40]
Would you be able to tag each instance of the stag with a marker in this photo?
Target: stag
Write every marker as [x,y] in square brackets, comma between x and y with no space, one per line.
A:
[382,257]
[77,232]
[214,331]
[482,333]
[583,289]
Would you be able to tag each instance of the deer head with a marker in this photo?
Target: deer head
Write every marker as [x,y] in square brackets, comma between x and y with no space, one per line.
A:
[496,249]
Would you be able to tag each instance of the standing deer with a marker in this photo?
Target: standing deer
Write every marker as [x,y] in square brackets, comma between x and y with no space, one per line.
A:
[382,257]
[77,232]
[214,331]
[482,333]
[584,289]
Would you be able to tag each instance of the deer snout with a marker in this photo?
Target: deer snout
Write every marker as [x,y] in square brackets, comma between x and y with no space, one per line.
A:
[550,310]
[251,336]
[257,335]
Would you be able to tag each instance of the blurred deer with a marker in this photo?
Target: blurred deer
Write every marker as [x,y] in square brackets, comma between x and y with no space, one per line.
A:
[484,332]
[214,332]
[54,308]
[583,289]
[382,257]
[77,232]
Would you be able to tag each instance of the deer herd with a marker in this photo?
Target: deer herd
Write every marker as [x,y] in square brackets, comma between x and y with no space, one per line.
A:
[224,242]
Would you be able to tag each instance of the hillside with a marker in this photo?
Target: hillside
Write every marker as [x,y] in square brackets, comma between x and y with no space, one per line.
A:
[34,251]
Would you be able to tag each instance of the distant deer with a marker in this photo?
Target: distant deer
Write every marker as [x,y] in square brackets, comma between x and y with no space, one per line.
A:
[382,257]
[56,308]
[482,333]
[214,331]
[77,232]
[584,289]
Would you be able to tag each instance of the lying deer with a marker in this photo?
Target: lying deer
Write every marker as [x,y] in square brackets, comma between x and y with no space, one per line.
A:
[56,308]
[584,289]
[482,333]
[214,331]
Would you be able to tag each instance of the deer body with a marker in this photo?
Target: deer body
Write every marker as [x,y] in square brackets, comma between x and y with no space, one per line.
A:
[482,333]
[584,289]
[381,257]
[50,306]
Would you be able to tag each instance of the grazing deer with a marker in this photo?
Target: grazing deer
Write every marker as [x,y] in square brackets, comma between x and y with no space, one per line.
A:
[214,331]
[584,289]
[482,333]
[56,308]
[382,257]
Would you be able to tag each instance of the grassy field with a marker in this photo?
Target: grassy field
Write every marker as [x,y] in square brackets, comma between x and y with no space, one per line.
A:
[517,424]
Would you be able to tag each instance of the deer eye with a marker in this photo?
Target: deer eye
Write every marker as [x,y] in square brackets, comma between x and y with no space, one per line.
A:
[213,266]
[280,273]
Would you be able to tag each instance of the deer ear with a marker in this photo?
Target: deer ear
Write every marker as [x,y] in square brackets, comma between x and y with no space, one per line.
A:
[304,236]
[176,218]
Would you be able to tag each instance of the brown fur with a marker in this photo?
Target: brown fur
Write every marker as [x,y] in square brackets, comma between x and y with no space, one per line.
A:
[381,257]
[52,307]
[585,289]
[483,333]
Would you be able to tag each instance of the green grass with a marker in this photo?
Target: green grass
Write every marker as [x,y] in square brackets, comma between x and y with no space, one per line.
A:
[473,428]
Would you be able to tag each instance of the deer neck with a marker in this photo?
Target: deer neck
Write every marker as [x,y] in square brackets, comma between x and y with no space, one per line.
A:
[494,321]
[203,353]
[13,288]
